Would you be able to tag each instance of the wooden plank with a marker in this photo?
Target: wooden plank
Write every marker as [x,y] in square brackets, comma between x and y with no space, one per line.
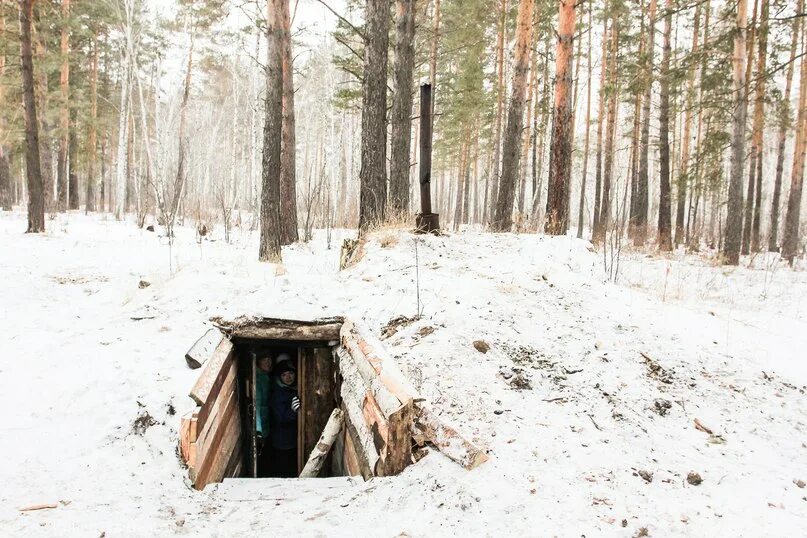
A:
[213,445]
[399,440]
[316,389]
[236,458]
[225,383]
[221,457]
[216,413]
[210,378]
[187,433]
[325,329]
[351,459]
[203,349]
[376,422]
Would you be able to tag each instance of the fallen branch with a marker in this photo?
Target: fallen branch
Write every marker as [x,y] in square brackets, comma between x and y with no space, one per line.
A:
[335,424]
[38,507]
[699,426]
[447,440]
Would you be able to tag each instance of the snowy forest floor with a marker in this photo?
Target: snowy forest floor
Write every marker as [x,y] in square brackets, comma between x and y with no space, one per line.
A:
[586,401]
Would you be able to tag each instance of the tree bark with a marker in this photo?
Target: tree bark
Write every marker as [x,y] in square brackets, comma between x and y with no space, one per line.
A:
[36,200]
[401,119]
[269,247]
[92,135]
[5,168]
[600,124]
[72,170]
[664,219]
[734,219]
[785,117]
[582,206]
[500,90]
[560,156]
[515,120]
[759,125]
[790,245]
[749,200]
[373,173]
[288,142]
[601,227]
[64,109]
[683,172]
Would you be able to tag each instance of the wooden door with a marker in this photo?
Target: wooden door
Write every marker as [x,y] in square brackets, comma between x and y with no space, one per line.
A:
[317,400]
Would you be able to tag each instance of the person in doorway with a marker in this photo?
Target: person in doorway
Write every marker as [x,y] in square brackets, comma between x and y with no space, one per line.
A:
[263,386]
[284,405]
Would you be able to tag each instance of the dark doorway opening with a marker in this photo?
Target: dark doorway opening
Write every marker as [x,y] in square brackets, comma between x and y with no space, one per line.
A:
[281,419]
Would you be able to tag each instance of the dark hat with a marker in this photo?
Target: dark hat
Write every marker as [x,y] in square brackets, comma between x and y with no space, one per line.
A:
[285,366]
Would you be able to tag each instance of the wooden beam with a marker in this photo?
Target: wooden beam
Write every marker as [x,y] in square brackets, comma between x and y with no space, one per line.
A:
[324,329]
[323,447]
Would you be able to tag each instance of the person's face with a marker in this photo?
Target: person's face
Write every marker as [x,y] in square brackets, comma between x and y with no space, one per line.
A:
[265,364]
[288,377]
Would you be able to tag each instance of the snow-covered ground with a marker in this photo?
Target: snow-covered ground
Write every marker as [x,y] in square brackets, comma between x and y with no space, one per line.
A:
[587,399]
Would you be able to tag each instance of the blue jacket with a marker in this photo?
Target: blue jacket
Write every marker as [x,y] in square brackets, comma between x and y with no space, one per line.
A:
[283,431]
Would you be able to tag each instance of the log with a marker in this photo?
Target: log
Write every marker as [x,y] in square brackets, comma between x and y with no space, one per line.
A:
[447,440]
[324,329]
[357,339]
[203,348]
[38,507]
[187,434]
[332,430]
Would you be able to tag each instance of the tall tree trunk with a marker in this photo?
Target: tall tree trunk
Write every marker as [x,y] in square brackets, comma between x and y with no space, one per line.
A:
[72,170]
[123,120]
[749,200]
[602,226]
[179,179]
[92,136]
[269,247]
[582,207]
[515,120]
[525,147]
[5,168]
[401,135]
[288,141]
[373,176]
[683,172]
[500,91]
[64,108]
[734,218]
[36,200]
[784,123]
[42,93]
[790,244]
[600,124]
[664,220]
[543,113]
[759,123]
[560,157]
[693,234]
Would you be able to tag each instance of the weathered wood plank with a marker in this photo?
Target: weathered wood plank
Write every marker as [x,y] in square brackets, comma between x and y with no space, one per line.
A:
[399,440]
[203,349]
[214,445]
[225,383]
[187,433]
[211,373]
[324,329]
[356,364]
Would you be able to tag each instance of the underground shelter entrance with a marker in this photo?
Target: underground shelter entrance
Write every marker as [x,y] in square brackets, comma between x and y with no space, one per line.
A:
[278,398]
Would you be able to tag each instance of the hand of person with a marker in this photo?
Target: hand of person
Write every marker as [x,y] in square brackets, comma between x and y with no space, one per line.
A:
[295,404]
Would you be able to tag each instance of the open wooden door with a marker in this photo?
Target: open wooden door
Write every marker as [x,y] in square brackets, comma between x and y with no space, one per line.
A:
[317,399]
